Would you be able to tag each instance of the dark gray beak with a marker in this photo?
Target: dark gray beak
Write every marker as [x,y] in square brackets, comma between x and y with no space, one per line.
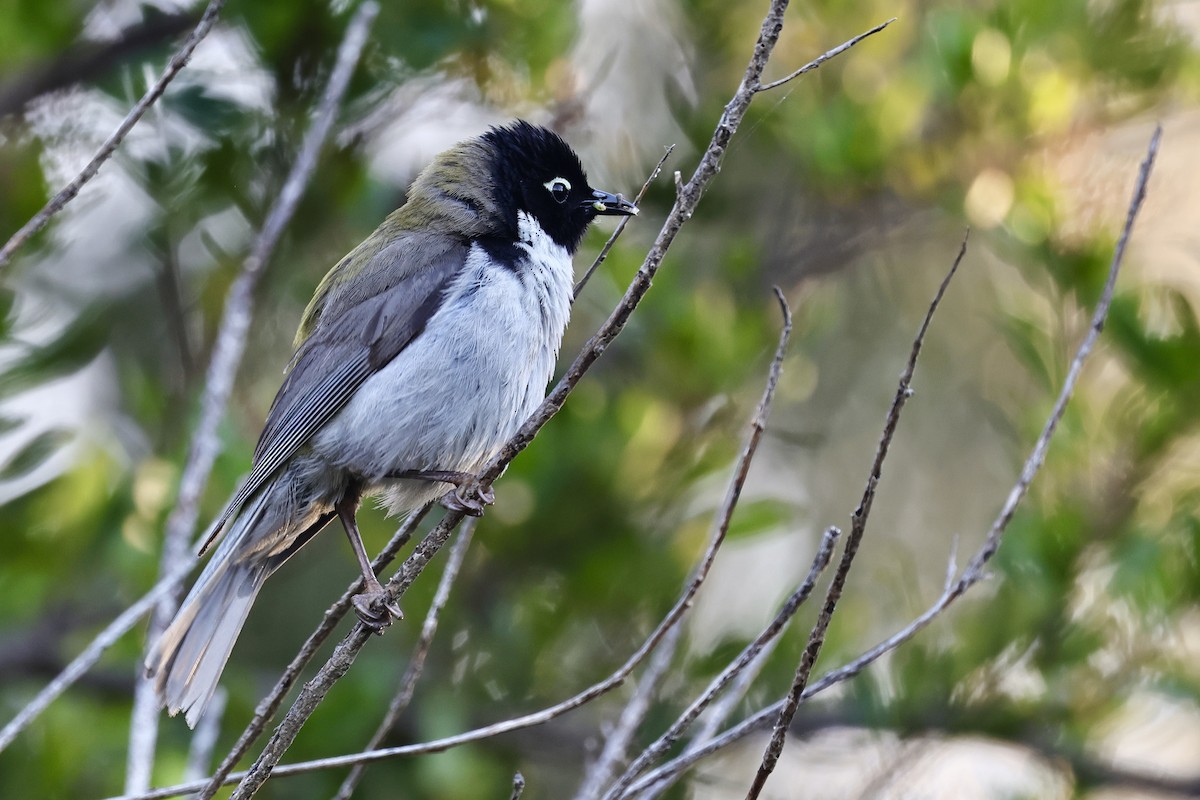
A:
[612,205]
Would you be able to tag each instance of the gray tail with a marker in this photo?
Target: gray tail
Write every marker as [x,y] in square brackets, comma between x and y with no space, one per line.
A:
[189,657]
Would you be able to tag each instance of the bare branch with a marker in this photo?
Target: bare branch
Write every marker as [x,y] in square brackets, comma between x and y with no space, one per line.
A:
[416,663]
[265,711]
[680,212]
[315,690]
[621,225]
[974,573]
[858,525]
[748,656]
[616,744]
[821,59]
[68,192]
[974,570]
[222,370]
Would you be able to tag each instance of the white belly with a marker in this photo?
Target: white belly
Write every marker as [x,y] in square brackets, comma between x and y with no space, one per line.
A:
[461,389]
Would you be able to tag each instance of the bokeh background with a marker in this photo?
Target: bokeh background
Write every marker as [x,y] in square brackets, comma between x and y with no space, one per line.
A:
[1076,667]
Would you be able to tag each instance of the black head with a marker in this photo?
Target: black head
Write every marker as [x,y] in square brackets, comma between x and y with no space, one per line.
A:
[535,171]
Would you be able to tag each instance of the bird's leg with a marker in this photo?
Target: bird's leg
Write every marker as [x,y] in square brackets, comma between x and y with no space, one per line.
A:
[469,495]
[371,605]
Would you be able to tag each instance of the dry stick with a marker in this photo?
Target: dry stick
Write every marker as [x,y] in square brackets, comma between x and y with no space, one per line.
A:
[343,656]
[340,660]
[265,711]
[412,567]
[68,192]
[681,211]
[688,197]
[416,662]
[621,225]
[720,710]
[227,355]
[616,744]
[821,59]
[858,525]
[747,657]
[974,573]
[659,779]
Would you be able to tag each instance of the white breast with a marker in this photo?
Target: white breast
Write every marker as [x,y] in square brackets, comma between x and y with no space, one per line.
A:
[462,388]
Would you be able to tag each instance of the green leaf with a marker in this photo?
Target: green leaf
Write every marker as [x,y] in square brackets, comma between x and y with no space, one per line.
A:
[77,346]
[35,453]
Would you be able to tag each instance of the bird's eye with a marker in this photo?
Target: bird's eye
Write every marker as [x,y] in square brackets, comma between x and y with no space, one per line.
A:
[559,189]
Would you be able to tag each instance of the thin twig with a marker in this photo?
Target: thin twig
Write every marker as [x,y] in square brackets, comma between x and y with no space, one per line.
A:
[265,711]
[821,59]
[748,656]
[974,569]
[858,525]
[616,743]
[342,657]
[68,192]
[681,211]
[338,664]
[621,225]
[222,369]
[974,573]
[416,663]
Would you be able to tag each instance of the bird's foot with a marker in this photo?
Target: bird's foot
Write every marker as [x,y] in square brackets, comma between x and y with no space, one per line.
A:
[469,497]
[374,608]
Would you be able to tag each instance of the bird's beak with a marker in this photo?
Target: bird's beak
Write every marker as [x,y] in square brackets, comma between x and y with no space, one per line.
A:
[612,205]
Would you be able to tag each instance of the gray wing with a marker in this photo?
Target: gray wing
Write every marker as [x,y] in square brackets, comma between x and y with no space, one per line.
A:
[355,338]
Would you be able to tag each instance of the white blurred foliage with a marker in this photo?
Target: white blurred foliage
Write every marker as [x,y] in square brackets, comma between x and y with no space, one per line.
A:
[842,762]
[96,247]
[630,62]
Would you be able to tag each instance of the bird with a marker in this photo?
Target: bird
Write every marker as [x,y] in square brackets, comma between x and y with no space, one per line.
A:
[422,352]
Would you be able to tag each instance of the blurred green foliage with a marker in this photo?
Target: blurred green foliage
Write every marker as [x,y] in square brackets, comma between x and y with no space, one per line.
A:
[848,187]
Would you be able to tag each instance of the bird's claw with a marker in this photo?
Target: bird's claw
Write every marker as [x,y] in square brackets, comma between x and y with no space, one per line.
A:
[375,609]
[469,497]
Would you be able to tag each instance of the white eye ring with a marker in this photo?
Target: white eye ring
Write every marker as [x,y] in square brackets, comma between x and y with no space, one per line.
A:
[559,189]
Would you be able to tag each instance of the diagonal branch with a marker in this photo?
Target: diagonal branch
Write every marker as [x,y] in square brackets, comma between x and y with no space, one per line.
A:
[617,741]
[821,59]
[858,525]
[337,663]
[265,711]
[621,225]
[748,656]
[974,573]
[88,657]
[682,210]
[227,355]
[68,192]
[686,201]
[416,663]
